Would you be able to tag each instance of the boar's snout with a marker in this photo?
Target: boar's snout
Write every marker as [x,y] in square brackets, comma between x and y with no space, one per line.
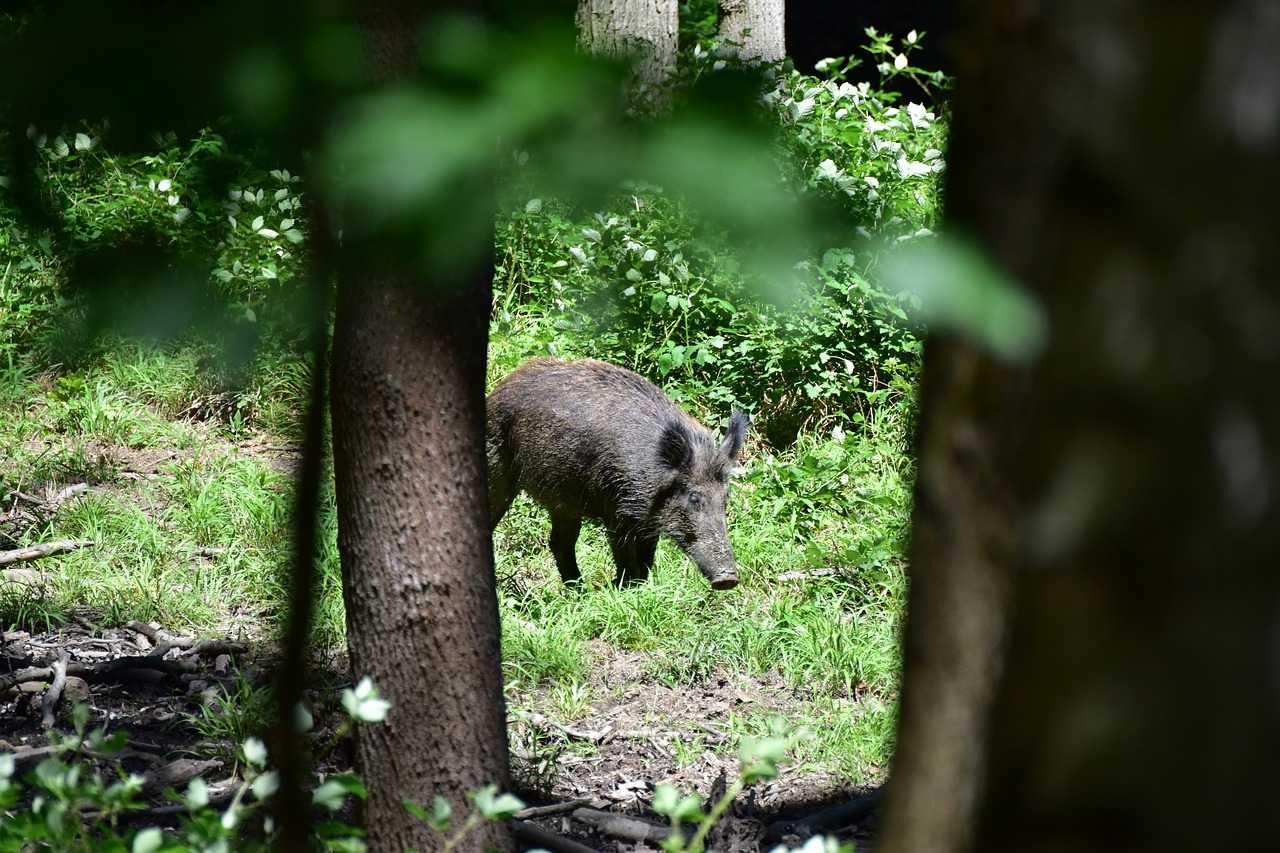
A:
[728,580]
[717,565]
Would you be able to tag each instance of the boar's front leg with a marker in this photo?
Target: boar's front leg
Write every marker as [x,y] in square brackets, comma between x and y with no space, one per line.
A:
[564,539]
[633,555]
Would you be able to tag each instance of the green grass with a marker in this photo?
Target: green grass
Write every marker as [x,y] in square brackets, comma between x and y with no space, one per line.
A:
[838,505]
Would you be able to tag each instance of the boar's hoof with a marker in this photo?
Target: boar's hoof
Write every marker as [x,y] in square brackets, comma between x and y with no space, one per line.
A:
[724,582]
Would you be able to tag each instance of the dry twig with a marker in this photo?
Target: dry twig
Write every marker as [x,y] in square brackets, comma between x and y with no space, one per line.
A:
[54,693]
[45,549]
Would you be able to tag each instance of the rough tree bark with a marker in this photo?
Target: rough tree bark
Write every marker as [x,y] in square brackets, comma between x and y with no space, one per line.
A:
[418,583]
[757,25]
[1096,533]
[645,30]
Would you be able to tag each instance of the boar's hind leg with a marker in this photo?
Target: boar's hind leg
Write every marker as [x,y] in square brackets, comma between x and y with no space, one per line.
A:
[564,538]
[633,556]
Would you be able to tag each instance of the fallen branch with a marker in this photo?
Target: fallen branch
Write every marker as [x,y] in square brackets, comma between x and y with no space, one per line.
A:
[27,756]
[31,499]
[219,795]
[544,722]
[213,648]
[553,808]
[806,575]
[68,493]
[177,773]
[840,815]
[35,552]
[620,826]
[100,671]
[537,836]
[54,693]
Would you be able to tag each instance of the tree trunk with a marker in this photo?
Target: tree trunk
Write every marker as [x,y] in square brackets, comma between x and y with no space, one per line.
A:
[757,26]
[644,30]
[1119,159]
[418,582]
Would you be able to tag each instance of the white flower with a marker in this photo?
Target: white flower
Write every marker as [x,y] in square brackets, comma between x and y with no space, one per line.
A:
[872,181]
[874,126]
[912,37]
[910,169]
[718,65]
[821,64]
[932,154]
[844,90]
[173,200]
[163,186]
[364,704]
[180,215]
[886,145]
[800,109]
[900,61]
[828,169]
[920,117]
[577,252]
[841,113]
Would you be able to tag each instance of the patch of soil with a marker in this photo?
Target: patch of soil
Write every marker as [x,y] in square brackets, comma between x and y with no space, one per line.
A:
[643,733]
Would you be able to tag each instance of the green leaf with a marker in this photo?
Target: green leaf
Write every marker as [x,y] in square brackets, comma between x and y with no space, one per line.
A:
[962,290]
[495,806]
[265,785]
[302,719]
[438,818]
[665,799]
[255,752]
[197,794]
[80,716]
[331,795]
[147,841]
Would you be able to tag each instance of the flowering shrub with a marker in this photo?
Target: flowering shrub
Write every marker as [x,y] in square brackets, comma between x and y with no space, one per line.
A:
[642,282]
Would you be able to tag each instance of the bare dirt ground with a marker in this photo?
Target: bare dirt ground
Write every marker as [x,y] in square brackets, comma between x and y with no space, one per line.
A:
[609,759]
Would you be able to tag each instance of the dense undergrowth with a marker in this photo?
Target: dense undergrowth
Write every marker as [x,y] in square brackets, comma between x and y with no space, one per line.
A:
[186,446]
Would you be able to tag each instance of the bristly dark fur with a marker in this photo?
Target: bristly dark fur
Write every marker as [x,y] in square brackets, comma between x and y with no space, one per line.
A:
[591,440]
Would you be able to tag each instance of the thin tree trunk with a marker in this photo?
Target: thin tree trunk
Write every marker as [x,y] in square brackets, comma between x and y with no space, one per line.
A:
[1120,159]
[418,581]
[644,30]
[757,26]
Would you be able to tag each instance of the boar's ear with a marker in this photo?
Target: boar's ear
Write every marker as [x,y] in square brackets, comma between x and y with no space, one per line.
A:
[737,433]
[675,448]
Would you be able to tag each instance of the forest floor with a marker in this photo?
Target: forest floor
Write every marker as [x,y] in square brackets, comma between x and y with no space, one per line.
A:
[182,525]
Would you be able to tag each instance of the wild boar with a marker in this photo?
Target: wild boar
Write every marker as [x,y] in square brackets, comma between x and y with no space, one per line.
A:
[587,439]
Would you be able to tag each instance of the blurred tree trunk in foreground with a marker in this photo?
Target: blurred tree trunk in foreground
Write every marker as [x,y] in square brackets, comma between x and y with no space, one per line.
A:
[757,25]
[1098,532]
[408,429]
[643,29]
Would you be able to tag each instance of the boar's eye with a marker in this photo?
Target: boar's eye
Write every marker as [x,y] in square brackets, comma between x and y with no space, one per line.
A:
[695,499]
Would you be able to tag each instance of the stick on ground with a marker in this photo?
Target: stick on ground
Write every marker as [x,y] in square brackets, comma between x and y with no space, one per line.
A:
[620,826]
[534,834]
[54,693]
[45,549]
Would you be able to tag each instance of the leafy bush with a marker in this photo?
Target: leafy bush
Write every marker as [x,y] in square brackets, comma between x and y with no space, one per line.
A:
[643,283]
